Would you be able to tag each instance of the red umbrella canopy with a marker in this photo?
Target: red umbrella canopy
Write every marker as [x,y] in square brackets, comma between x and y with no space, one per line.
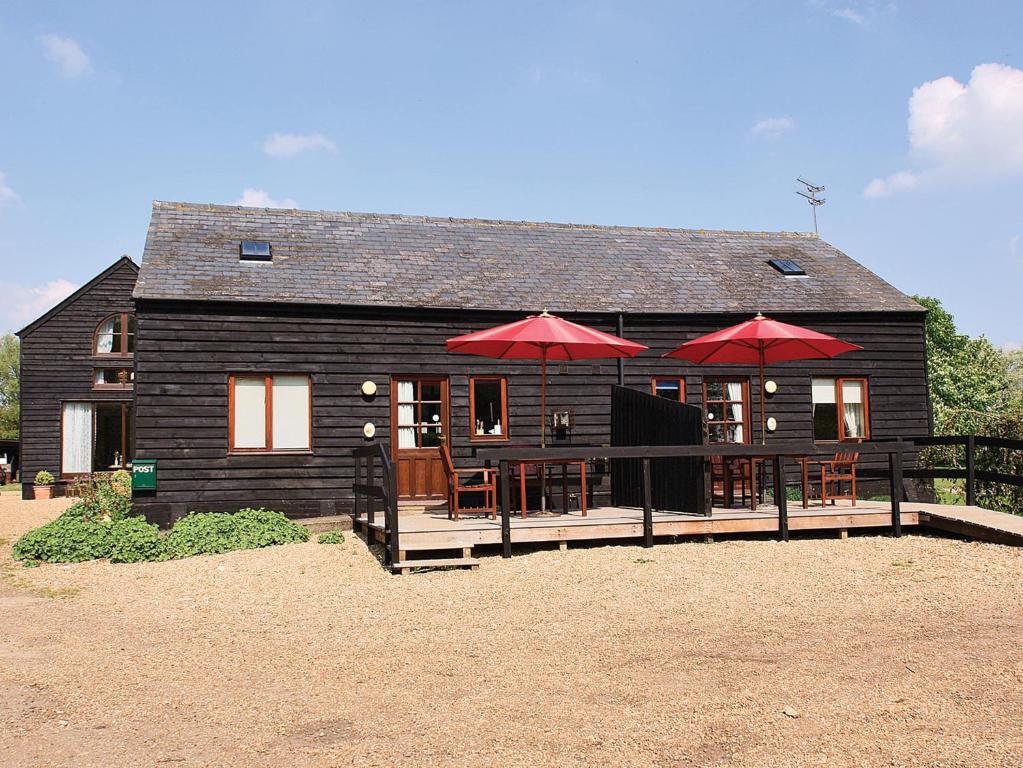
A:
[761,340]
[543,337]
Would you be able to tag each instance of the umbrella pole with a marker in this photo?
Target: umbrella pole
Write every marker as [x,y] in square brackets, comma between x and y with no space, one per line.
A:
[763,398]
[543,427]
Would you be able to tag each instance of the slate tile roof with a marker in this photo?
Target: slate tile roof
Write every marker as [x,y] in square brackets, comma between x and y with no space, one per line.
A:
[370,259]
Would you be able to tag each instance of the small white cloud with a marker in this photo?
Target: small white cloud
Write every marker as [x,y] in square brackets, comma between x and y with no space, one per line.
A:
[291,144]
[66,54]
[849,14]
[7,195]
[970,131]
[24,304]
[896,182]
[773,127]
[257,198]
[1012,346]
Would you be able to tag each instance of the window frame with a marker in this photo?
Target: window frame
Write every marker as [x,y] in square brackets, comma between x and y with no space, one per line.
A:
[747,436]
[104,387]
[126,439]
[268,379]
[123,351]
[505,434]
[681,380]
[840,405]
[445,413]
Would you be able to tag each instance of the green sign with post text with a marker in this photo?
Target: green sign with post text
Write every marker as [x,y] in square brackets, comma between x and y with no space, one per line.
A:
[143,475]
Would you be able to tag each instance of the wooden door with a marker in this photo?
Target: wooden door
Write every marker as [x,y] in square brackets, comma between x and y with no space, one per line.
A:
[419,418]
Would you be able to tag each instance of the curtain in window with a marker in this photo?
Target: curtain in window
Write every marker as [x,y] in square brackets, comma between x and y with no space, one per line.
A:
[76,452]
[406,414]
[853,412]
[105,337]
[734,392]
[290,413]
[249,413]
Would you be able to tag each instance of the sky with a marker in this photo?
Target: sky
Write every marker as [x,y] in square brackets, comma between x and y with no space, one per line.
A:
[673,114]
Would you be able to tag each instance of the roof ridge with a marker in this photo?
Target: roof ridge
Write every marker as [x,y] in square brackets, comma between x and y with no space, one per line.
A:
[420,219]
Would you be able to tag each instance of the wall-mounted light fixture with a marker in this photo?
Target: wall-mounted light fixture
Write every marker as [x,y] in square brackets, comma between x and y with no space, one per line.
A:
[369,430]
[369,388]
[772,424]
[770,386]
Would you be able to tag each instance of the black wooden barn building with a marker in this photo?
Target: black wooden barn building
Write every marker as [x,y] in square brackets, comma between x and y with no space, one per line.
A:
[262,342]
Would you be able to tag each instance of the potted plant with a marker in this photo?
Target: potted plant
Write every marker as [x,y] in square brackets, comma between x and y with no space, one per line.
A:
[43,487]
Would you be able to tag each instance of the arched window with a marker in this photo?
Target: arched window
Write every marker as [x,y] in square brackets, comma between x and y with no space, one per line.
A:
[115,336]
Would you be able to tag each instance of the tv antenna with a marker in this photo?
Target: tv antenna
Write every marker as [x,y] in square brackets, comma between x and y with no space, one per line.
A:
[812,196]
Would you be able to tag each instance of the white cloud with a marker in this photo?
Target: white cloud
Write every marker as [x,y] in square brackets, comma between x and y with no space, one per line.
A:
[773,127]
[291,144]
[1012,346]
[7,195]
[23,304]
[969,131]
[66,54]
[849,14]
[895,182]
[257,198]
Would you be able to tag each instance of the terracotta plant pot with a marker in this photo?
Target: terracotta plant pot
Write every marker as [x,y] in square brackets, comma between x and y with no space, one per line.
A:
[42,491]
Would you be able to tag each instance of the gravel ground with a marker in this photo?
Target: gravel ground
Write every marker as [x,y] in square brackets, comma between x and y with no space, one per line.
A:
[865,652]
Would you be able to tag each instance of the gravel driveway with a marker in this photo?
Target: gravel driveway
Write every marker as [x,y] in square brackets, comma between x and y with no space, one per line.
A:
[864,652]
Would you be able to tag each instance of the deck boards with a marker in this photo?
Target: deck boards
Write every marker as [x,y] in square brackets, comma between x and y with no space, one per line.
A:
[433,531]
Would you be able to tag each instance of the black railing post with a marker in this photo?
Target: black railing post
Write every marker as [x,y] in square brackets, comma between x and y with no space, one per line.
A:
[505,511]
[781,500]
[395,525]
[371,480]
[648,510]
[895,480]
[355,489]
[971,473]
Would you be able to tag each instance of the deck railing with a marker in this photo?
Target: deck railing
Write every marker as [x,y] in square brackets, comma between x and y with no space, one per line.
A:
[969,471]
[777,453]
[367,491]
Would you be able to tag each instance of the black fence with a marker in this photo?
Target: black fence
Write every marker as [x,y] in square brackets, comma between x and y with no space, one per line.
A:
[968,472]
[676,484]
[372,486]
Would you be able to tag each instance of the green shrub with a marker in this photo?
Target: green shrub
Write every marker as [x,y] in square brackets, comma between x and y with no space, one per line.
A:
[44,478]
[106,497]
[332,537]
[265,528]
[68,539]
[211,533]
[203,533]
[133,540]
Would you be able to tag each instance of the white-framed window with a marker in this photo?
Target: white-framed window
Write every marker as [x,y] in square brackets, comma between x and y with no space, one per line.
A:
[270,413]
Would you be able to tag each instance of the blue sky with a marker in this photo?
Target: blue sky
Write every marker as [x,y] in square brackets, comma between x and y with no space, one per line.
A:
[668,114]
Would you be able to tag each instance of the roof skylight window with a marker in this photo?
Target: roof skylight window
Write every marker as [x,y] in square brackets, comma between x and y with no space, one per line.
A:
[787,267]
[255,250]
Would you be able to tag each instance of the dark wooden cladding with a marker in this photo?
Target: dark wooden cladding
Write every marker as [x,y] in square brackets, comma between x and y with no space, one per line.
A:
[58,365]
[185,353]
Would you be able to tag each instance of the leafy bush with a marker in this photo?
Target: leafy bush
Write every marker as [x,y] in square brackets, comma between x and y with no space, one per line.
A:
[265,528]
[133,540]
[203,533]
[210,533]
[68,539]
[44,478]
[106,497]
[331,537]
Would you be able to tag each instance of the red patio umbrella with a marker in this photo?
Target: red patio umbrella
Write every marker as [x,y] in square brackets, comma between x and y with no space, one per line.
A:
[760,341]
[543,337]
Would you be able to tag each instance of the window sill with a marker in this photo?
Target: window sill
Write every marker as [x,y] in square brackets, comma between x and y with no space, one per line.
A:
[264,452]
[112,388]
[489,438]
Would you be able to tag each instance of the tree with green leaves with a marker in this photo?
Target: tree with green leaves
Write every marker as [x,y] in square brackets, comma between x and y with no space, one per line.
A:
[976,389]
[10,387]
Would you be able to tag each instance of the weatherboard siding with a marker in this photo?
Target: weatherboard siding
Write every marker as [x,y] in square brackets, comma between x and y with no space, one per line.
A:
[57,365]
[186,351]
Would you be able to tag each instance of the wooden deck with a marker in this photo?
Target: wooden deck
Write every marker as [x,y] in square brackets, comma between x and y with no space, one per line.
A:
[432,531]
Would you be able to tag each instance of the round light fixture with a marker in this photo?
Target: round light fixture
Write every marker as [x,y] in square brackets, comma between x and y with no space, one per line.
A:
[369,429]
[369,388]
[772,424]
[770,387]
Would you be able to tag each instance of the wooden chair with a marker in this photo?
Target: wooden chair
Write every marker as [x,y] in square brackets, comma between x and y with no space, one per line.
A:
[842,468]
[731,475]
[481,480]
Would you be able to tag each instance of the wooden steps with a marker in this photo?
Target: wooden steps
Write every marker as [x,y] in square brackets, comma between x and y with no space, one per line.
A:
[404,566]
[327,523]
[974,522]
